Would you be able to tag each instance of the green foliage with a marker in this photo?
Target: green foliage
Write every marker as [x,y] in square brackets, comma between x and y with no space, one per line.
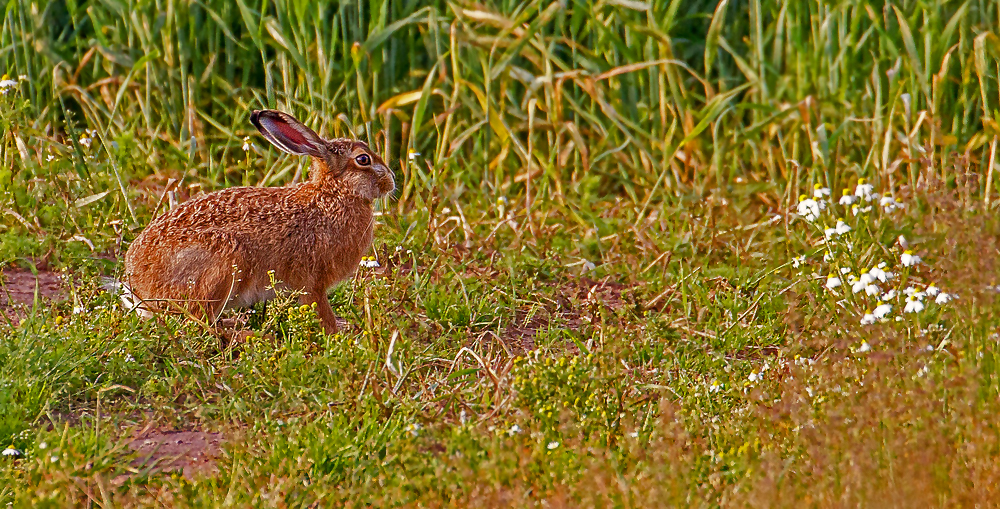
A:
[547,388]
[589,287]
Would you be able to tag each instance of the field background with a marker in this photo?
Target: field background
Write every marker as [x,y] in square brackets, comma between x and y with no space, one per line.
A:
[586,293]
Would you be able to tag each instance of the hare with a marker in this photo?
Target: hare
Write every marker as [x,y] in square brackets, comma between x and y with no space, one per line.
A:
[216,251]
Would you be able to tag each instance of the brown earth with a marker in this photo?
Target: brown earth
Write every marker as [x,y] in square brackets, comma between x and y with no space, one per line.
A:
[573,298]
[192,453]
[17,288]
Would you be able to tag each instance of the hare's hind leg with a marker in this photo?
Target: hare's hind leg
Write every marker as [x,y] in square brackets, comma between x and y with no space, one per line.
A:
[323,309]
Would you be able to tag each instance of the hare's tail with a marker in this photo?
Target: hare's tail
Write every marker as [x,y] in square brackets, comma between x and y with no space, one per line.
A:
[129,301]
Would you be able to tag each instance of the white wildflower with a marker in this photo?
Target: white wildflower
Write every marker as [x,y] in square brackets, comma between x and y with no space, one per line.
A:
[819,191]
[413,428]
[845,270]
[864,190]
[868,319]
[908,259]
[808,208]
[754,377]
[847,198]
[882,310]
[865,347]
[842,227]
[412,154]
[513,430]
[715,386]
[552,445]
[832,282]
[6,84]
[889,204]
[944,298]
[891,294]
[877,273]
[872,290]
[856,210]
[913,305]
[369,262]
[798,261]
[857,285]
[246,144]
[11,451]
[932,290]
[880,273]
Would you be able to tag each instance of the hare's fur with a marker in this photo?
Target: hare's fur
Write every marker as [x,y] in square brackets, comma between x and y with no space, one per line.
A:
[217,251]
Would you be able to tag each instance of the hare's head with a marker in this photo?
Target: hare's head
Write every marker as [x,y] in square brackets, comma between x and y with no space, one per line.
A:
[349,161]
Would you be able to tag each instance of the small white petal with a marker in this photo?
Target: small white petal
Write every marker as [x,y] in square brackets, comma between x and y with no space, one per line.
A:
[858,286]
[908,259]
[842,228]
[913,306]
[882,310]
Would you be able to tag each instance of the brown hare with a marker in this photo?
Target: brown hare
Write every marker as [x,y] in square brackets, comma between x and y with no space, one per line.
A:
[216,251]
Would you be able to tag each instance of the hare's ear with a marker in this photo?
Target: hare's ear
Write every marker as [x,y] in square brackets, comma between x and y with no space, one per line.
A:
[288,134]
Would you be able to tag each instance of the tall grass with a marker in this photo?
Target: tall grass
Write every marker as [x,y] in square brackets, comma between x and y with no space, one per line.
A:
[645,100]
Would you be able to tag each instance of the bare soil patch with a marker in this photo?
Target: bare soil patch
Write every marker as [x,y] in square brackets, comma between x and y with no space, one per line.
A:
[18,288]
[193,453]
[573,299]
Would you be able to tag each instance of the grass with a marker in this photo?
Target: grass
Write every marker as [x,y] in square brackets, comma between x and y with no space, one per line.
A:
[589,290]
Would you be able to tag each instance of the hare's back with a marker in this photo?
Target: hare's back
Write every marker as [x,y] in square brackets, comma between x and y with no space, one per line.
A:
[236,208]
[216,224]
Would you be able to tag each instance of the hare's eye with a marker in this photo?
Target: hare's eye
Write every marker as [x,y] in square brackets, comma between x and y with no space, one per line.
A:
[363,160]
